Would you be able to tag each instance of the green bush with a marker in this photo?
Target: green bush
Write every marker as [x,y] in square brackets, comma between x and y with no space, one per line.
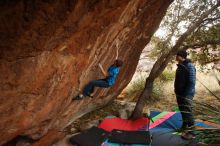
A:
[157,91]
[167,75]
[135,88]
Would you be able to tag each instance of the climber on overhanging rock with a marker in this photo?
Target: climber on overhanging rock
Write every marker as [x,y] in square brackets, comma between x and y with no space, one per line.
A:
[108,81]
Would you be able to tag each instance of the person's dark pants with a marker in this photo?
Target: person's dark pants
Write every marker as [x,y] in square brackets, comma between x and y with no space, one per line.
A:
[185,107]
[89,88]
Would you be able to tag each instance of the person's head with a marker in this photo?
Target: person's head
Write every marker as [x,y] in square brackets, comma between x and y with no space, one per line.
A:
[181,55]
[118,63]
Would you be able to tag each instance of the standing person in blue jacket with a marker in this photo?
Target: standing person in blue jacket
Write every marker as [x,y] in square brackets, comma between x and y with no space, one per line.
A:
[185,89]
[108,81]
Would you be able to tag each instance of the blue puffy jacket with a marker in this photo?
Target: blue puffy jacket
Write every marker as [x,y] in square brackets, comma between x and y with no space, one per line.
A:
[113,72]
[185,79]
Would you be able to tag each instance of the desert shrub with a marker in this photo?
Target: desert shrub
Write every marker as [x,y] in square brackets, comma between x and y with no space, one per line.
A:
[167,75]
[136,86]
[157,91]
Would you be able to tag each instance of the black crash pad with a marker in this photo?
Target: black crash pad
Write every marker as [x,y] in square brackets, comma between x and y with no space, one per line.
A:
[130,137]
[92,137]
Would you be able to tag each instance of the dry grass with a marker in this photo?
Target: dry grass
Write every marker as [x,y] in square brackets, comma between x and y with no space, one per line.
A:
[167,99]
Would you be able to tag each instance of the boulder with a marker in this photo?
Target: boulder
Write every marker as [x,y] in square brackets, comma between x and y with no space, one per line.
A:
[50,49]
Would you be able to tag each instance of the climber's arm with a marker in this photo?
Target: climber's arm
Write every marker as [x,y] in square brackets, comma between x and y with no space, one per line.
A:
[116,50]
[103,71]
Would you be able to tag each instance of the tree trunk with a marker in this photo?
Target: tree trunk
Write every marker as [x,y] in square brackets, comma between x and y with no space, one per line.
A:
[162,62]
[137,113]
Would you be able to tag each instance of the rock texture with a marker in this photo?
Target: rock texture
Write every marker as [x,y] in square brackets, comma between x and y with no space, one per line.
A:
[49,49]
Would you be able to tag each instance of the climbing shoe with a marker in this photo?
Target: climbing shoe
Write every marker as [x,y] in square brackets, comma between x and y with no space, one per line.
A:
[188,136]
[91,96]
[78,97]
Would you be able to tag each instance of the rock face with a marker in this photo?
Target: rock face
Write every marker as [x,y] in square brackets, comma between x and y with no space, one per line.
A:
[49,49]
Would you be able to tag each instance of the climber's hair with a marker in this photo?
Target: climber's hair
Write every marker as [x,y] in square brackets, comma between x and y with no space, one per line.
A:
[118,63]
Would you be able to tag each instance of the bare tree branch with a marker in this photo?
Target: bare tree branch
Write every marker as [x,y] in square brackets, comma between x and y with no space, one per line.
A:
[202,44]
[212,60]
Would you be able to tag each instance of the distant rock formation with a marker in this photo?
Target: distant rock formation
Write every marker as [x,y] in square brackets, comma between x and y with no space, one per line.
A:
[49,49]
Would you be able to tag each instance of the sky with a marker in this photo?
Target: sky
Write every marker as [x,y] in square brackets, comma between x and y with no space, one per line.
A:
[160,32]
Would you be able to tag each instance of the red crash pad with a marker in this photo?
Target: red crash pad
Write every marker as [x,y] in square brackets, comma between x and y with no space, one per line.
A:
[109,124]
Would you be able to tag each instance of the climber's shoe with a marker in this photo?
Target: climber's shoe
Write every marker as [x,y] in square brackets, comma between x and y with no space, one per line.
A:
[91,96]
[78,97]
